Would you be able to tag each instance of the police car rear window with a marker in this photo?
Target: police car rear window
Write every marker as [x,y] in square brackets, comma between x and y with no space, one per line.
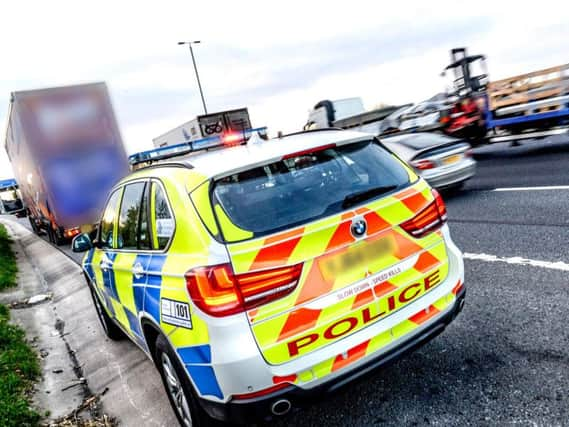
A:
[307,186]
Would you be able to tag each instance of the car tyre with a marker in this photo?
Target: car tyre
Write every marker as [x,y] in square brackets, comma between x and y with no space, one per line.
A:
[178,388]
[112,331]
[455,188]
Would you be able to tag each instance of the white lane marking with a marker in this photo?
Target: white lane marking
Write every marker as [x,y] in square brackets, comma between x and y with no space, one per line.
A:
[544,188]
[559,265]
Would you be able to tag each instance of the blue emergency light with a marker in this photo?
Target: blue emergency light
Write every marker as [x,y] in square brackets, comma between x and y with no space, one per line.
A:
[186,147]
[7,183]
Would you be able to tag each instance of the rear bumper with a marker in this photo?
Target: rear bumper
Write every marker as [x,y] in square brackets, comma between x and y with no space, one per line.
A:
[257,409]
[447,176]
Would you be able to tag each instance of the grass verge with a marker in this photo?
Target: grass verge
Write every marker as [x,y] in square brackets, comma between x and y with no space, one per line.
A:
[8,268]
[19,366]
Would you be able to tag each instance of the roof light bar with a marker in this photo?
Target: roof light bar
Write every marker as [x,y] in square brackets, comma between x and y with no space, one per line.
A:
[227,140]
[8,183]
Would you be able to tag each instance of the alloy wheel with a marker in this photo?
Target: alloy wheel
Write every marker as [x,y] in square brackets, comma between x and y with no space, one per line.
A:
[174,386]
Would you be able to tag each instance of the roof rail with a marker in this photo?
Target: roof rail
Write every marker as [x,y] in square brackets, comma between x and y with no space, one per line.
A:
[300,132]
[139,166]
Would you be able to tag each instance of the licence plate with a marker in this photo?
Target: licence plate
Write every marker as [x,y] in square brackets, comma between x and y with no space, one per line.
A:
[357,256]
[452,159]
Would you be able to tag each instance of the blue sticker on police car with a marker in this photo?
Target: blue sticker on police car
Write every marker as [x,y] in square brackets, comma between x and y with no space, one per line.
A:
[175,313]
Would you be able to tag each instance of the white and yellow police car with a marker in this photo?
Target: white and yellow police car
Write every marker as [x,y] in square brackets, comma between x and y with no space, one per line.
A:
[259,274]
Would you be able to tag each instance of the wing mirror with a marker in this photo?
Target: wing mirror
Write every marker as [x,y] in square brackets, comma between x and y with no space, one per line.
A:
[81,243]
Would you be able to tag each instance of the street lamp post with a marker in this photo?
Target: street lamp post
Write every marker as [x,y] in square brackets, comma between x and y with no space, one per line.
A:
[196,70]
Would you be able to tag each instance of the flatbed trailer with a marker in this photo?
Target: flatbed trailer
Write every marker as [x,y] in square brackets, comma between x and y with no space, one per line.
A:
[530,105]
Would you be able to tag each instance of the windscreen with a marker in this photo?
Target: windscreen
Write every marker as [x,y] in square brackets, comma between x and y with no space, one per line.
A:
[307,186]
[348,107]
[9,194]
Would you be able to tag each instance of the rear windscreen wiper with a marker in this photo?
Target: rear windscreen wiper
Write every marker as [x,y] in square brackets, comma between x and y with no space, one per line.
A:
[355,198]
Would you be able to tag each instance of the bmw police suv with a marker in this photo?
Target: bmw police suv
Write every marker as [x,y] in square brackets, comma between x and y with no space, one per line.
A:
[257,274]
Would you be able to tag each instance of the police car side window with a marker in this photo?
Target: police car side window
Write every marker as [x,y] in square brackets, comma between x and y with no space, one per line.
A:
[107,223]
[127,236]
[162,219]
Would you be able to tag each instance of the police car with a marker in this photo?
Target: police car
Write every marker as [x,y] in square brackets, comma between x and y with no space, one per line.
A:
[258,274]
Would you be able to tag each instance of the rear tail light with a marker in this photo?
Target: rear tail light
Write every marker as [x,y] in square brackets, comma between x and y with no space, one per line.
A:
[441,207]
[219,292]
[71,232]
[429,219]
[422,164]
[261,287]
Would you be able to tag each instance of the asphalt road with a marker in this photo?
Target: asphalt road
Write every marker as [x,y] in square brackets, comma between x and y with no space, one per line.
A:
[504,361]
[65,248]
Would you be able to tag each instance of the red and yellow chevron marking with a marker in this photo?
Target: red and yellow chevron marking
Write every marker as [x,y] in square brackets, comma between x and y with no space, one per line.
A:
[373,345]
[413,199]
[352,355]
[328,250]
[324,326]
[424,315]
[276,249]
[457,288]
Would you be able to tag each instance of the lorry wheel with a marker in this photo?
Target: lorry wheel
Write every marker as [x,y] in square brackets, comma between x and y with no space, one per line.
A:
[59,238]
[55,236]
[109,326]
[178,387]
[50,235]
[33,224]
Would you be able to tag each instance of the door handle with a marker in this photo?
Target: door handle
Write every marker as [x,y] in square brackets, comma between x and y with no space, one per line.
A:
[137,270]
[105,263]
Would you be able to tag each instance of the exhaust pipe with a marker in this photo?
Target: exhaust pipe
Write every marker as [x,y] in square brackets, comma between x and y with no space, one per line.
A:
[281,407]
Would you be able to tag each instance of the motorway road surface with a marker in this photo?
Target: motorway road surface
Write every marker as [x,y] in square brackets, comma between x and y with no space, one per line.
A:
[505,360]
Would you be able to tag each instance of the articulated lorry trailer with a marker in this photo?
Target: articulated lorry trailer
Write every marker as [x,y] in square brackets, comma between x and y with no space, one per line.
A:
[530,105]
[66,153]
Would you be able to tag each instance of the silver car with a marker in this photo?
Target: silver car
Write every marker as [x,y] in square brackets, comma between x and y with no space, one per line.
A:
[443,161]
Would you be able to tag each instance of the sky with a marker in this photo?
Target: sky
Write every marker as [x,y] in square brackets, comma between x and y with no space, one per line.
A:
[276,58]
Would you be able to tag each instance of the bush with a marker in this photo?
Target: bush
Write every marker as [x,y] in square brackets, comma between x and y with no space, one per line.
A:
[8,267]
